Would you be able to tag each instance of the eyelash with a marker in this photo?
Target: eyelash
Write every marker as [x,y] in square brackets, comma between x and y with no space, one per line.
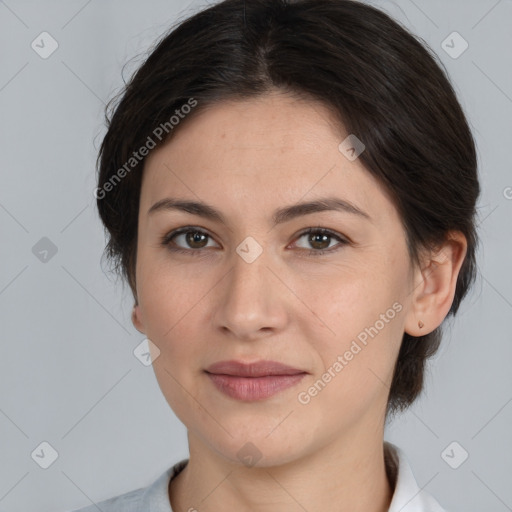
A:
[166,240]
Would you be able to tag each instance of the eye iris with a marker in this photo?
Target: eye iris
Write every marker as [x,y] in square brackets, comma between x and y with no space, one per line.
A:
[195,236]
[325,238]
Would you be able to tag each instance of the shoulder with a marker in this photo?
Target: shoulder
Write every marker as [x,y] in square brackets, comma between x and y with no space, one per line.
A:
[407,495]
[154,497]
[128,502]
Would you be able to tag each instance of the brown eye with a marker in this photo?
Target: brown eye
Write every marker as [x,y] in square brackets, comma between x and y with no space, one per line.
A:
[195,239]
[320,239]
[188,240]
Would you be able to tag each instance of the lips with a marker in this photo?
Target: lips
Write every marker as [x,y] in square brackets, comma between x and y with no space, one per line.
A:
[253,381]
[258,369]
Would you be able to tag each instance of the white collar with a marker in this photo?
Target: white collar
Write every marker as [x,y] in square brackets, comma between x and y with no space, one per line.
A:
[408,496]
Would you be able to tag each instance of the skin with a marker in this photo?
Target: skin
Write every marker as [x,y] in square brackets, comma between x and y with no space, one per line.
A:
[248,159]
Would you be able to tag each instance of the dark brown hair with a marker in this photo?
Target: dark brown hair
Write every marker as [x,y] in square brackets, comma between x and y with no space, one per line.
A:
[384,85]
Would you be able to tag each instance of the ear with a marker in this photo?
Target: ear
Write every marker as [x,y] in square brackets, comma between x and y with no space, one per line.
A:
[435,284]
[136,319]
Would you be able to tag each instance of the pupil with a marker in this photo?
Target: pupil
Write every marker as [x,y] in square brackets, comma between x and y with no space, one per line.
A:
[325,237]
[195,236]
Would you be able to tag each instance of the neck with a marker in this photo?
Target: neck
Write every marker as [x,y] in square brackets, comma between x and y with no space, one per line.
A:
[339,477]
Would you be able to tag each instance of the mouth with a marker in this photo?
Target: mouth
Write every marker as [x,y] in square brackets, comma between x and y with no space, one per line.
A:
[255,381]
[258,369]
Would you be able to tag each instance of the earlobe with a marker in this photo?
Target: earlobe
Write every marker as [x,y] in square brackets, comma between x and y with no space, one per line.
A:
[136,321]
[433,294]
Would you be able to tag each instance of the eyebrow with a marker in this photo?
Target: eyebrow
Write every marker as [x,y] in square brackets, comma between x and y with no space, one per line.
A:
[280,216]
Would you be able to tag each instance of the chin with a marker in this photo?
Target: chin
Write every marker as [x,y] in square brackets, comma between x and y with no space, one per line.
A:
[257,448]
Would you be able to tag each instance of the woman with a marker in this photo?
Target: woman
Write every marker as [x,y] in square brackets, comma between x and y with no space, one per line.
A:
[289,189]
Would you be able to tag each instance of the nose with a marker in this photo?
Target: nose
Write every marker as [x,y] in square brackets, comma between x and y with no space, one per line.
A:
[252,301]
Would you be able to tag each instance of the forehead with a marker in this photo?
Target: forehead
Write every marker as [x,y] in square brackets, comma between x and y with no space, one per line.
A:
[273,120]
[270,150]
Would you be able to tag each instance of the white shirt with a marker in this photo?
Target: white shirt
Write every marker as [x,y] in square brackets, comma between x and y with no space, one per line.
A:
[407,496]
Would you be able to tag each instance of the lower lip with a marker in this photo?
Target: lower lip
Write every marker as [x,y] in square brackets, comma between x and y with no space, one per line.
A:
[254,388]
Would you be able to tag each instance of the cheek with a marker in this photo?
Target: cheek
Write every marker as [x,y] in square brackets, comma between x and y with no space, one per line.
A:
[357,317]
[167,298]
[345,300]
[173,305]
[354,368]
[170,307]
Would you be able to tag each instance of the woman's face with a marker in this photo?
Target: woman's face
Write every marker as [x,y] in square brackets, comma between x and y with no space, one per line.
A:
[249,289]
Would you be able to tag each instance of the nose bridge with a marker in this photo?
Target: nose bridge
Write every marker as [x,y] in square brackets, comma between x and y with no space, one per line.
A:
[249,276]
[250,300]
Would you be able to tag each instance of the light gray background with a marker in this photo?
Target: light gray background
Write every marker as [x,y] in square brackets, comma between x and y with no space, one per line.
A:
[68,375]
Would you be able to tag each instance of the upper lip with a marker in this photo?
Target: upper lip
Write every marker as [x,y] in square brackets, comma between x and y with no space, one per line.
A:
[257,369]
